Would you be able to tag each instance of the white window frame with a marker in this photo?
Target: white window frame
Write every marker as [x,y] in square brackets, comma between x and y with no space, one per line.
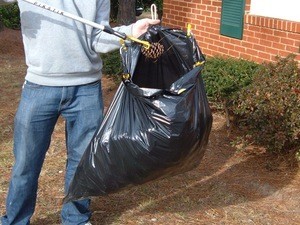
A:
[286,10]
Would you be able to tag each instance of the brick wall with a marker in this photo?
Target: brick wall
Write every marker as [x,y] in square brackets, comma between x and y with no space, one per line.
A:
[263,38]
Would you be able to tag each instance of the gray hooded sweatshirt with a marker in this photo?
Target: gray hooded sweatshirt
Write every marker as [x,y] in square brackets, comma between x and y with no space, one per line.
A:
[60,51]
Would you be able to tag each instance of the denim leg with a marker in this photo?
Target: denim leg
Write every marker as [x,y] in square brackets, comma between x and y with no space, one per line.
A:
[34,123]
[83,115]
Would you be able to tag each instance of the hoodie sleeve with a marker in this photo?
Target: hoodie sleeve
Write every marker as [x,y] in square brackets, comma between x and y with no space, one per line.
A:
[102,41]
[5,2]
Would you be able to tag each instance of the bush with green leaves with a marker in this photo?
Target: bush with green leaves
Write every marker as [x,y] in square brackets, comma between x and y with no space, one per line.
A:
[270,106]
[147,4]
[10,16]
[225,77]
[112,64]
[114,5]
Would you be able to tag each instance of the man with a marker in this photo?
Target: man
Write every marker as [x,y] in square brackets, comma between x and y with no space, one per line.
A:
[63,78]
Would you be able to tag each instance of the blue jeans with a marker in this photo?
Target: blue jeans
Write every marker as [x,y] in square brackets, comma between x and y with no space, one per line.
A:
[38,111]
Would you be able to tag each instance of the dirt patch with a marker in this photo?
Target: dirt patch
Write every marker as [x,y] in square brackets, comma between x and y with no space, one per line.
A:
[11,43]
[229,186]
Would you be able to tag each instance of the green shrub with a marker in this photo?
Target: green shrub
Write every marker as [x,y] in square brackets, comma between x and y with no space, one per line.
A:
[1,25]
[225,77]
[270,106]
[112,64]
[10,16]
[147,5]
[114,5]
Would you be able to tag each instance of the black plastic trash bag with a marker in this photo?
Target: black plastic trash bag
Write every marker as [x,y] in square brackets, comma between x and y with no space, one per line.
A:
[158,123]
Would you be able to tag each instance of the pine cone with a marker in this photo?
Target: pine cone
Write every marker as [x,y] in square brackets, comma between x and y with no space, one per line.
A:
[154,52]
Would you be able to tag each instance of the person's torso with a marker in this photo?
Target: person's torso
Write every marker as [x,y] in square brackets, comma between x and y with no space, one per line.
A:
[59,49]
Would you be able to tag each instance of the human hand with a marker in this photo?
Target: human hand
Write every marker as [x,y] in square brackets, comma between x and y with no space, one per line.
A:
[141,26]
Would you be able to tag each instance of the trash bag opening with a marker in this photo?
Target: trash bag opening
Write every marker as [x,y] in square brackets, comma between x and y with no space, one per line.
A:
[175,61]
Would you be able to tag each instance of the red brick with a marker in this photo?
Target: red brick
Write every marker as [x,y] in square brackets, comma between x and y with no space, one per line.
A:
[181,24]
[251,51]
[279,33]
[256,29]
[217,3]
[260,35]
[178,18]
[248,33]
[182,14]
[246,56]
[239,48]
[195,11]
[294,36]
[206,2]
[297,28]
[210,30]
[292,49]
[294,27]
[235,41]
[170,6]
[228,46]
[200,17]
[265,43]
[185,4]
[264,55]
[258,59]
[277,45]
[178,8]
[284,53]
[247,45]
[212,9]
[203,45]
[234,53]
[206,13]
[170,16]
[191,5]
[251,39]
[273,38]
[223,50]
[216,15]
[213,47]
[266,30]
[287,41]
[214,36]
[272,51]
[210,19]
[202,7]
[219,43]
[216,26]
[259,47]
